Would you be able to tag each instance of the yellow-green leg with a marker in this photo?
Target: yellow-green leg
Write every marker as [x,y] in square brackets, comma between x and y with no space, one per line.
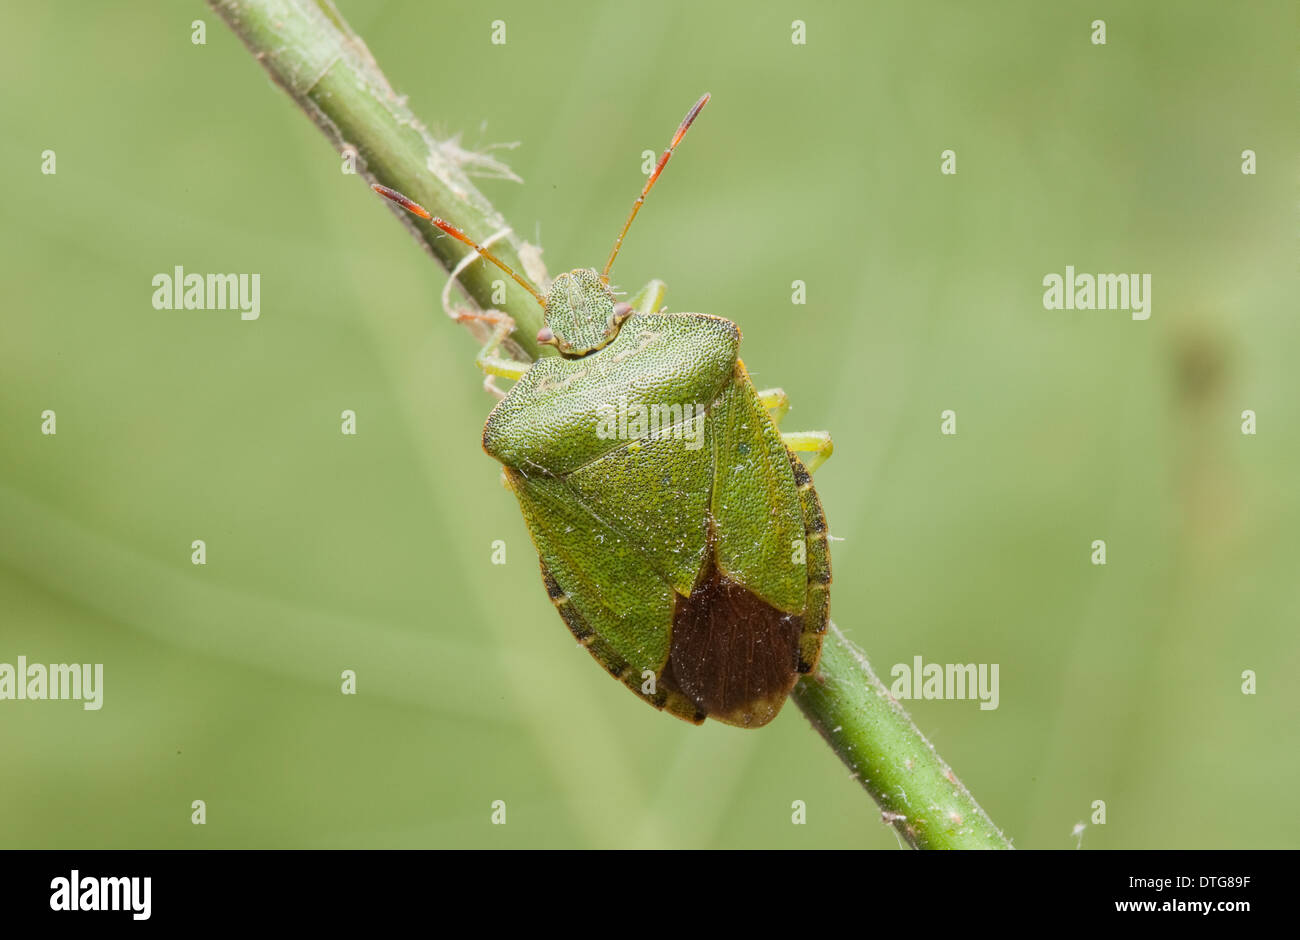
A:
[816,444]
[776,402]
[649,298]
[490,362]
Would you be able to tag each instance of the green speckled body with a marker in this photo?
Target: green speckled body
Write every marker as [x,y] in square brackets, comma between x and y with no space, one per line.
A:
[680,537]
[690,558]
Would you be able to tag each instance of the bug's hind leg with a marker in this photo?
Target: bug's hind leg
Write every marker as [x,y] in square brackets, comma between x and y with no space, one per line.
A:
[816,444]
[489,359]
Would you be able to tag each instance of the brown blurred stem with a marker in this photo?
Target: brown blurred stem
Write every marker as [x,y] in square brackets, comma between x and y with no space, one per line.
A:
[311,52]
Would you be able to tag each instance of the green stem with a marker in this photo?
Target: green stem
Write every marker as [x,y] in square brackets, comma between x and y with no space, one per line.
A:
[312,54]
[917,791]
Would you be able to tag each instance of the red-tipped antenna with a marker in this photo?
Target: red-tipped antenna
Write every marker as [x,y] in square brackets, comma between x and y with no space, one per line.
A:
[659,168]
[416,209]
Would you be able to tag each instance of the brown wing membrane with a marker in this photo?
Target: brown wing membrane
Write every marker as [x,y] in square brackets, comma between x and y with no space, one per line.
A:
[733,654]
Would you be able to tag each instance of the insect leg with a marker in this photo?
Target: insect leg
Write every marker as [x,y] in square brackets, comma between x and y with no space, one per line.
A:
[816,443]
[650,298]
[488,359]
[776,402]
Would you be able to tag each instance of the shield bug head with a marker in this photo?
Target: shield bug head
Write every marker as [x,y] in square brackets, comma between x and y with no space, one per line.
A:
[582,314]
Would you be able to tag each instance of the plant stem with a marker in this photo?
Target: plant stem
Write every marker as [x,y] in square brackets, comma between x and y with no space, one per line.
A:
[312,54]
[917,791]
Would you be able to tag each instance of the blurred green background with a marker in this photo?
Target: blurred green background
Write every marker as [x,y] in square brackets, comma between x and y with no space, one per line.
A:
[818,162]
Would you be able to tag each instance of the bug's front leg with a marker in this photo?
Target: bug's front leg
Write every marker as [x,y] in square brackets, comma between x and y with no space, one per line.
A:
[489,360]
[650,298]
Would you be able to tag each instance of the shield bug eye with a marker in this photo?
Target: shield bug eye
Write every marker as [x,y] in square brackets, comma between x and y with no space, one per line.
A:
[622,311]
[545,335]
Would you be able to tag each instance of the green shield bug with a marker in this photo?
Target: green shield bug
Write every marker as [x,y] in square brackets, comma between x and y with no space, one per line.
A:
[680,536]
